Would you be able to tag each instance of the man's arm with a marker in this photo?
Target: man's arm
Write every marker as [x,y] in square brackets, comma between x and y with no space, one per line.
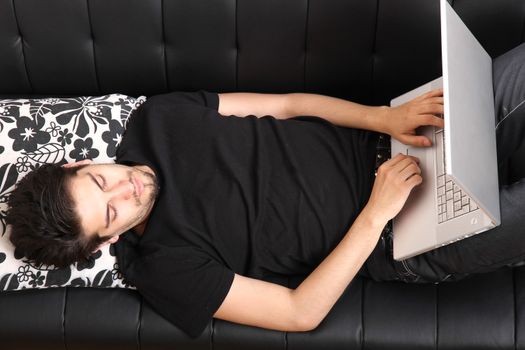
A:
[271,306]
[263,304]
[282,106]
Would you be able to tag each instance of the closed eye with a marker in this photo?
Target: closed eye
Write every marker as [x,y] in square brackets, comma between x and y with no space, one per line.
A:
[115,213]
[104,183]
[102,187]
[95,181]
[110,207]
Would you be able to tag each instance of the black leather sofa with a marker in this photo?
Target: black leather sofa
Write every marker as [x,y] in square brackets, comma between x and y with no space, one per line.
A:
[365,51]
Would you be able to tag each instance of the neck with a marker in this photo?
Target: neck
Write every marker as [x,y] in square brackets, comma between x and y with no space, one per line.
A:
[139,229]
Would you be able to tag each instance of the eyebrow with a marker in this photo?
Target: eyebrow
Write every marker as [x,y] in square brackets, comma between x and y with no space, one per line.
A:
[98,185]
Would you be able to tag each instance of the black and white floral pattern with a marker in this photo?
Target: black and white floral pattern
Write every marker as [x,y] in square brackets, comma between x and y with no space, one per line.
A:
[40,131]
[28,134]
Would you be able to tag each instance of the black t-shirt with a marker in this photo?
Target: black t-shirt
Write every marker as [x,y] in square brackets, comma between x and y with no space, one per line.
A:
[247,195]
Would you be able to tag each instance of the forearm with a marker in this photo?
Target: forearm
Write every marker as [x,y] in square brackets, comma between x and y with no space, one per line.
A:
[337,111]
[318,293]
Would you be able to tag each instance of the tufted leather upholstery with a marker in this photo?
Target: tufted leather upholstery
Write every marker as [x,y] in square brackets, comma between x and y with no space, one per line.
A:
[366,51]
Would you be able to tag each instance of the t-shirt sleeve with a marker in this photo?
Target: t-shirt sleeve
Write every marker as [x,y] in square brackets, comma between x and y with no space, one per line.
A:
[161,114]
[183,285]
[199,98]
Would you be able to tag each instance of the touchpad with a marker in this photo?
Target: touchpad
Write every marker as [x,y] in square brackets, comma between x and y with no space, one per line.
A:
[426,163]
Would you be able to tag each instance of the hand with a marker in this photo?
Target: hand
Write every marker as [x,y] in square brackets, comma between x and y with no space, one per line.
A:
[394,181]
[401,121]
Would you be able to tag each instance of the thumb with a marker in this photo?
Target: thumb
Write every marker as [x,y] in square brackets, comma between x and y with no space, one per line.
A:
[418,141]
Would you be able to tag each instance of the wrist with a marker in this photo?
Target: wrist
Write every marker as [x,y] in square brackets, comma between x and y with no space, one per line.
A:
[372,218]
[380,117]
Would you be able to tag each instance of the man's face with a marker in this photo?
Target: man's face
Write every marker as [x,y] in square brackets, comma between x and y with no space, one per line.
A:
[112,198]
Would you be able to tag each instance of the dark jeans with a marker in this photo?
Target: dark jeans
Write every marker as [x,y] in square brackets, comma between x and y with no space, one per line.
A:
[489,250]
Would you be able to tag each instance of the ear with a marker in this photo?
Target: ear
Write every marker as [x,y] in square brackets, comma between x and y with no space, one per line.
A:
[112,240]
[81,162]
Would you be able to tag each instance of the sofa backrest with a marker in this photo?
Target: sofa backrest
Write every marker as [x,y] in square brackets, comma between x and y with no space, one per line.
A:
[367,51]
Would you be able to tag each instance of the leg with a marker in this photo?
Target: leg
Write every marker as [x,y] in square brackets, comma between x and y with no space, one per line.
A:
[504,244]
[485,252]
[509,102]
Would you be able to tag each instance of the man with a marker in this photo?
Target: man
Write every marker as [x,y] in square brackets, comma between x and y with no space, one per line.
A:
[216,202]
[206,204]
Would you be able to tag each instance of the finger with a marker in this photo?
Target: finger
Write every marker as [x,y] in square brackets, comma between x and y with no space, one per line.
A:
[418,141]
[431,108]
[415,140]
[435,100]
[410,170]
[432,93]
[429,119]
[435,92]
[405,162]
[395,160]
[414,181]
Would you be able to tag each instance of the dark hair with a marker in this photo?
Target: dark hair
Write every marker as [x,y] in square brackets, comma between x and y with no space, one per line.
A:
[45,227]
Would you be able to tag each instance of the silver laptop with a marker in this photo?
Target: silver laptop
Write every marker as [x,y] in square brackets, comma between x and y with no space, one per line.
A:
[459,195]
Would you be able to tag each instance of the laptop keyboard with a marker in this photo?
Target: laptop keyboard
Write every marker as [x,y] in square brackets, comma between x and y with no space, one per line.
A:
[451,200]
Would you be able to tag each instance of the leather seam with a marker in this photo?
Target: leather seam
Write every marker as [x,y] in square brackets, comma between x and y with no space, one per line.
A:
[515,305]
[522,30]
[436,320]
[64,318]
[139,323]
[22,44]
[363,291]
[93,46]
[374,43]
[212,332]
[166,75]
[306,43]
[236,45]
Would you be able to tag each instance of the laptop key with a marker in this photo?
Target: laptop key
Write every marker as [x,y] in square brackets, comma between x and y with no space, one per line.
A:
[441,181]
[450,208]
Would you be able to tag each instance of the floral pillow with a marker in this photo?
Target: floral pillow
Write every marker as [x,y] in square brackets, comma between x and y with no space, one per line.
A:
[34,132]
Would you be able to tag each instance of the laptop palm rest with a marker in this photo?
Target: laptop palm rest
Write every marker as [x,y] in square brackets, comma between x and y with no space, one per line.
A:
[420,211]
[420,204]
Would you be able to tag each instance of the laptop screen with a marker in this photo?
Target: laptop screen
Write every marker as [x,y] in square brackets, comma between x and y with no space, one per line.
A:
[470,136]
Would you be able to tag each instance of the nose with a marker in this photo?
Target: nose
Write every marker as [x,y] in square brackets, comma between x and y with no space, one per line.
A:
[124,189]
